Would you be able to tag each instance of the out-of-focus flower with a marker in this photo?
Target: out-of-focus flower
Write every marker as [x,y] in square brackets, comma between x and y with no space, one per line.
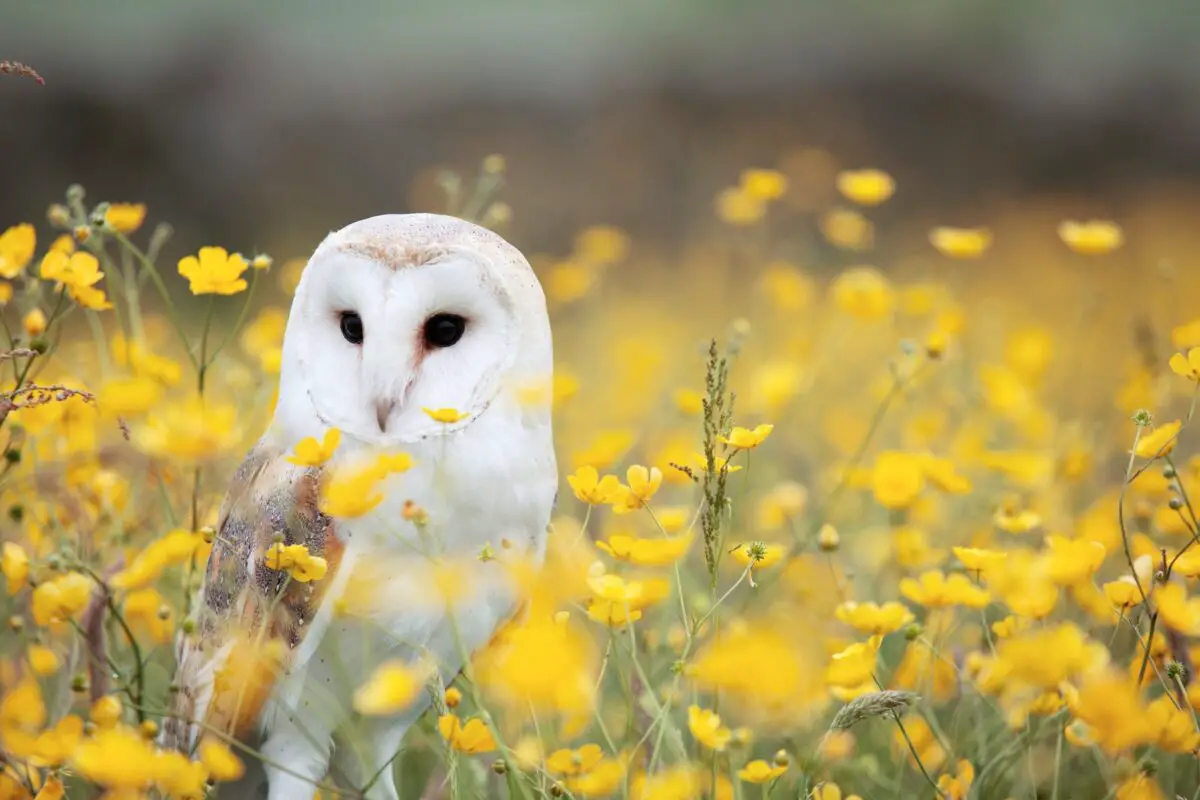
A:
[125,217]
[445,415]
[14,565]
[471,737]
[864,293]
[1187,365]
[873,618]
[746,439]
[958,785]
[706,726]
[738,207]
[311,453]
[391,688]
[214,271]
[936,590]
[848,229]
[219,760]
[867,187]
[62,598]
[1159,442]
[35,322]
[897,479]
[759,771]
[1094,237]
[352,490]
[961,242]
[194,430]
[16,249]
[654,552]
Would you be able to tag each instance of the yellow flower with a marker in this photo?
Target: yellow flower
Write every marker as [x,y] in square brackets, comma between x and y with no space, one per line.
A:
[936,590]
[445,415]
[863,292]
[923,740]
[830,791]
[759,771]
[657,552]
[22,716]
[34,322]
[391,688]
[867,187]
[1159,442]
[706,726]
[1177,610]
[106,711]
[125,217]
[1187,365]
[351,490]
[873,618]
[979,560]
[130,396]
[471,738]
[569,281]
[961,242]
[1045,657]
[736,206]
[941,473]
[1111,706]
[764,184]
[14,564]
[1092,238]
[958,785]
[643,483]
[191,431]
[601,244]
[1073,561]
[853,667]
[176,547]
[897,479]
[311,453]
[219,760]
[689,401]
[786,287]
[6,293]
[602,780]
[590,488]
[42,660]
[145,609]
[297,561]
[1140,786]
[1123,593]
[118,758]
[847,229]
[214,272]
[79,272]
[574,762]
[61,599]
[16,249]
[745,439]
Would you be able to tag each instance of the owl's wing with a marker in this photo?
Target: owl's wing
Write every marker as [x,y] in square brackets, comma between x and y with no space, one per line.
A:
[250,618]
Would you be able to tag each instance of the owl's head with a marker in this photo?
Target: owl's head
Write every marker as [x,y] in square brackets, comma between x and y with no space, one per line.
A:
[402,312]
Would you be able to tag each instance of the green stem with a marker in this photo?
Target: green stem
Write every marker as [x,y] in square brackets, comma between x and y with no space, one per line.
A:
[156,278]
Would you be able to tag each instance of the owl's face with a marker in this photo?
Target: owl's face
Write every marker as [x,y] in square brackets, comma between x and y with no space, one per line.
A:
[401,313]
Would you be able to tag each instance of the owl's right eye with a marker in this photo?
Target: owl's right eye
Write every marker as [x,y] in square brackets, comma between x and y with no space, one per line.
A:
[352,327]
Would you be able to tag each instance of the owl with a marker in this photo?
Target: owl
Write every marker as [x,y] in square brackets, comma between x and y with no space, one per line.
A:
[394,315]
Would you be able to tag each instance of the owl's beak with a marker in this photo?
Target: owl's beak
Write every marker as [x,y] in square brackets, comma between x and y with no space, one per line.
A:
[383,410]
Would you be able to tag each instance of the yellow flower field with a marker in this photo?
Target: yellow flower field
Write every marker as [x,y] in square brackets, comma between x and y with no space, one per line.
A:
[833,522]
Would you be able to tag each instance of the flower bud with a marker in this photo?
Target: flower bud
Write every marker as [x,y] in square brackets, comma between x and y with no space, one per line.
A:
[828,539]
[34,322]
[58,215]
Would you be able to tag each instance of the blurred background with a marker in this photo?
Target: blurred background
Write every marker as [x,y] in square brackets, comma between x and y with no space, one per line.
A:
[265,125]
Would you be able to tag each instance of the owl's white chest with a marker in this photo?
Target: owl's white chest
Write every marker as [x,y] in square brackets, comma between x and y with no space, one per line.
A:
[412,589]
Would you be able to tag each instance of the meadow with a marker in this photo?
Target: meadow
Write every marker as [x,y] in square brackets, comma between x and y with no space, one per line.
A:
[839,517]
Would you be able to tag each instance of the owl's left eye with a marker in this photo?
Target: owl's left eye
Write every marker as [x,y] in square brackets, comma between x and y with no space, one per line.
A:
[352,327]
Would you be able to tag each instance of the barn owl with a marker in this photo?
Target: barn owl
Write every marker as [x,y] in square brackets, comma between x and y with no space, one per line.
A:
[393,315]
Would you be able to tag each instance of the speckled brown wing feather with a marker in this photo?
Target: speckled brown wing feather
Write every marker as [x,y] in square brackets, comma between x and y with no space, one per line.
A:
[250,619]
